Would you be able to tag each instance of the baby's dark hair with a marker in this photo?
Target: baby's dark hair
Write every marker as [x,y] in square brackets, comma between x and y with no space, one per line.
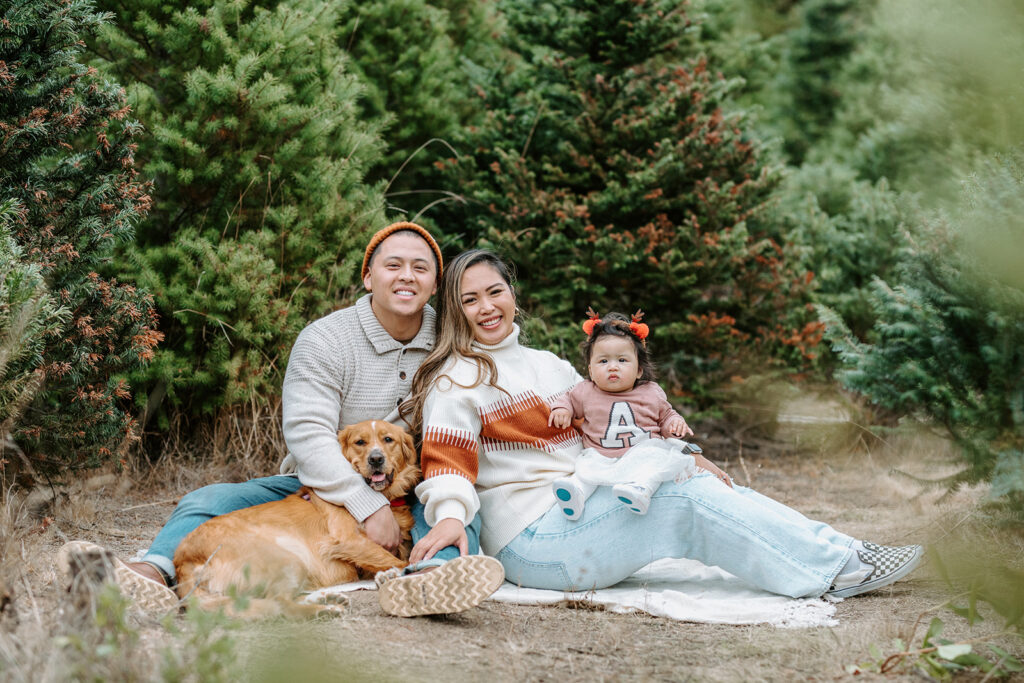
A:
[617,325]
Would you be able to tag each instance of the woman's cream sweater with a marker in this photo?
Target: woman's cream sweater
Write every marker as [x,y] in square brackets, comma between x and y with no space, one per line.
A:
[491,450]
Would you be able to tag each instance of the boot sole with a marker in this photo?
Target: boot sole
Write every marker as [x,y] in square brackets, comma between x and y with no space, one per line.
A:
[455,586]
[144,593]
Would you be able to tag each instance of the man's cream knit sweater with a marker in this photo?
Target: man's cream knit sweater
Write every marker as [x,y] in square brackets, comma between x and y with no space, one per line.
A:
[345,368]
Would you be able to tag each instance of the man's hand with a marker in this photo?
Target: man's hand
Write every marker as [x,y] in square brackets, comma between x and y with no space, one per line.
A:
[447,532]
[678,428]
[382,528]
[560,418]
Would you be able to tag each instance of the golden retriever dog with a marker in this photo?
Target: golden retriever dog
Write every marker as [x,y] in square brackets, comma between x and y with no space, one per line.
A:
[272,552]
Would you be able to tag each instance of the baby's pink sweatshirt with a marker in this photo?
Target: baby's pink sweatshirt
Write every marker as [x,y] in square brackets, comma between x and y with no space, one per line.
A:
[613,423]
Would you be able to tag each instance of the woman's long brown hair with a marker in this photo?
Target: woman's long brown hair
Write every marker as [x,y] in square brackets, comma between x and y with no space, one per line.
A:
[454,335]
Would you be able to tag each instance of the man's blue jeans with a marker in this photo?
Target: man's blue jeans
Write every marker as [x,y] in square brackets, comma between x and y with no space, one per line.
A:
[219,499]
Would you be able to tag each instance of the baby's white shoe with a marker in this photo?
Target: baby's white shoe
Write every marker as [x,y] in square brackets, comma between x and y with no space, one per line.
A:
[637,497]
[569,496]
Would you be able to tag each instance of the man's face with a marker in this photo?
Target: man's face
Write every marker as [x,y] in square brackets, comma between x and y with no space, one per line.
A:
[402,275]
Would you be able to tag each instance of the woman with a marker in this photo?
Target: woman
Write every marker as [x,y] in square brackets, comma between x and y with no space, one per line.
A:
[482,401]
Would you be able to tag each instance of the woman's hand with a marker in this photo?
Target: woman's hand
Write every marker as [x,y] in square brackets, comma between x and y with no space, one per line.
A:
[560,418]
[706,464]
[678,428]
[445,533]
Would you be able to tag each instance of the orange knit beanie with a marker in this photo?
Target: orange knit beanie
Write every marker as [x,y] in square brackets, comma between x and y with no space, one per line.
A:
[384,233]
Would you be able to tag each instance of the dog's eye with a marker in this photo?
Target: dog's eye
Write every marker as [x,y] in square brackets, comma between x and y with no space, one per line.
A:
[361,442]
[388,439]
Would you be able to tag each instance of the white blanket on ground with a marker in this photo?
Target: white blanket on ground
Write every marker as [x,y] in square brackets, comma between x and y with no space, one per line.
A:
[685,590]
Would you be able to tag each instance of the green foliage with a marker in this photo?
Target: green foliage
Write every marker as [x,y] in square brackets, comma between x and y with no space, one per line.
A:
[940,658]
[971,568]
[932,88]
[67,161]
[28,316]
[260,209]
[415,59]
[851,231]
[949,340]
[101,650]
[108,647]
[818,48]
[609,172]
[202,648]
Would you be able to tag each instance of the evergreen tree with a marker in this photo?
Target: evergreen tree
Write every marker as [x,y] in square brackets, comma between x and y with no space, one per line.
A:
[416,59]
[260,209]
[28,316]
[807,66]
[610,172]
[67,171]
[949,341]
[818,49]
[850,231]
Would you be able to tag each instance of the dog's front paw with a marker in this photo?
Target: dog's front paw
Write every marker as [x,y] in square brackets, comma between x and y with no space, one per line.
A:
[334,599]
[336,608]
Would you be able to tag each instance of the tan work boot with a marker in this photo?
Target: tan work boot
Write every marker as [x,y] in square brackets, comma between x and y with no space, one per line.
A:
[147,590]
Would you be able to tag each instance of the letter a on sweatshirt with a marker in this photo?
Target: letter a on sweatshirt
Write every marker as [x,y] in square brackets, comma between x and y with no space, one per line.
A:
[622,428]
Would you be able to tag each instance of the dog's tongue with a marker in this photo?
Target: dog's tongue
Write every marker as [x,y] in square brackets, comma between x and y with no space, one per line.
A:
[376,478]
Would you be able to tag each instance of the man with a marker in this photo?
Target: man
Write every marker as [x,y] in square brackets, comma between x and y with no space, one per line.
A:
[354,364]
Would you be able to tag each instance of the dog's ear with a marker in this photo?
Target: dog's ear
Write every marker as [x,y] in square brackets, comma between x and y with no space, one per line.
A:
[344,437]
[408,448]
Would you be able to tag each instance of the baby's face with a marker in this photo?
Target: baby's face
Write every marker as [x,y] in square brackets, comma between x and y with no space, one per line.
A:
[613,364]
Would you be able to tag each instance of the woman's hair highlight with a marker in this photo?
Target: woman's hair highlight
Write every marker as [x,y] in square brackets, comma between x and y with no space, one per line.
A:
[454,335]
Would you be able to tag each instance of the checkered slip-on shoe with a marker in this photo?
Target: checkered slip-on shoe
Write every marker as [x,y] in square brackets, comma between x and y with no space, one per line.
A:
[145,593]
[891,563]
[455,586]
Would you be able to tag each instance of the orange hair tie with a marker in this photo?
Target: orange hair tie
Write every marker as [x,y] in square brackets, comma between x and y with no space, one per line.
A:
[592,320]
[638,328]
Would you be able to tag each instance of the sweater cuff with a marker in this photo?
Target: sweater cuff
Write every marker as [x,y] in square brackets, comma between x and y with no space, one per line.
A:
[450,509]
[364,503]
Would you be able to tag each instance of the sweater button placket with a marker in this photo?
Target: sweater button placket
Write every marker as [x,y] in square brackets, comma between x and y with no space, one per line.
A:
[401,373]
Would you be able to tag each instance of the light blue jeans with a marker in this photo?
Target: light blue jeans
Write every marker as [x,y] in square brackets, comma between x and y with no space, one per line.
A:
[749,535]
[210,501]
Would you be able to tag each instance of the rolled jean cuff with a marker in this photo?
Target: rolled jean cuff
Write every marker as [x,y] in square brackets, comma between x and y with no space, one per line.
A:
[425,564]
[162,563]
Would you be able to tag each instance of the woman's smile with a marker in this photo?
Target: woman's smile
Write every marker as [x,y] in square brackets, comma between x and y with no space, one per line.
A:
[488,303]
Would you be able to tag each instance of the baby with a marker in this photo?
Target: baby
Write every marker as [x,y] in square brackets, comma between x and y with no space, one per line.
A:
[626,417]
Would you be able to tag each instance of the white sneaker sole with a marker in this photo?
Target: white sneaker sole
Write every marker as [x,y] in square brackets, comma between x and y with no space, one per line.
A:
[570,499]
[455,586]
[147,594]
[627,494]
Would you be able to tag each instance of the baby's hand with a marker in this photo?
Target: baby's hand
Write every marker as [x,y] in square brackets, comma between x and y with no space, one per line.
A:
[560,418]
[678,428]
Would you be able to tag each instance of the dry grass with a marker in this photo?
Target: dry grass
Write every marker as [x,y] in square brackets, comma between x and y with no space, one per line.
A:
[858,489]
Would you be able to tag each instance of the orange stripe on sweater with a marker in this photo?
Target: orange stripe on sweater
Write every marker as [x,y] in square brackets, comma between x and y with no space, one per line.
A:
[523,419]
[449,452]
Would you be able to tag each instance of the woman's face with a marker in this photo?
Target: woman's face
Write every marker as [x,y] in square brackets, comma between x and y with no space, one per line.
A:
[487,302]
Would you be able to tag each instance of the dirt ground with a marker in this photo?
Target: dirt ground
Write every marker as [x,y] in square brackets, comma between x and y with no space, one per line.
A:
[857,486]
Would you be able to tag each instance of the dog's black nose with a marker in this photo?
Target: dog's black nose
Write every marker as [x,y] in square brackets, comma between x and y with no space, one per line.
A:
[376,460]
